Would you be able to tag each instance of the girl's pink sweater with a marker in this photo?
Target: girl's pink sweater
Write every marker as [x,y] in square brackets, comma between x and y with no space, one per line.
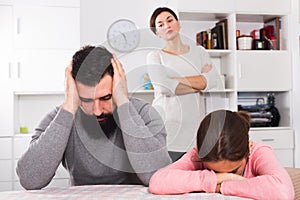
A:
[266,178]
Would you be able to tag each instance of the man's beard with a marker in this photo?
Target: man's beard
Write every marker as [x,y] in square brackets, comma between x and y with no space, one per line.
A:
[107,123]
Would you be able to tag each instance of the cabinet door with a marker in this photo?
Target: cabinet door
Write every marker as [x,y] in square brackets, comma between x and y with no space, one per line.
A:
[41,70]
[6,170]
[5,186]
[21,144]
[6,67]
[282,141]
[6,41]
[203,5]
[46,27]
[6,24]
[6,2]
[65,3]
[6,146]
[6,107]
[266,6]
[264,71]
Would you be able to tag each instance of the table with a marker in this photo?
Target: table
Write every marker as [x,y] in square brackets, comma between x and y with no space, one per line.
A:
[103,192]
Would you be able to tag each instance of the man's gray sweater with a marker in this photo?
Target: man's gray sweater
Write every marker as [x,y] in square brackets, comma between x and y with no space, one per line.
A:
[135,150]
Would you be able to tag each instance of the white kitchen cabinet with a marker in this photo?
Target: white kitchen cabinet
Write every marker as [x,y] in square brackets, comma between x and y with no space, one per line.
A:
[281,140]
[21,144]
[250,74]
[43,45]
[264,71]
[5,186]
[6,170]
[6,41]
[267,6]
[6,2]
[40,69]
[25,102]
[60,3]
[203,5]
[5,69]
[6,106]
[6,22]
[38,40]
[6,146]
[6,163]
[46,27]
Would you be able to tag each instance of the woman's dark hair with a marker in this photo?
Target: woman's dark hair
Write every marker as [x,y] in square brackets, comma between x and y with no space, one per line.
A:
[223,135]
[90,64]
[157,12]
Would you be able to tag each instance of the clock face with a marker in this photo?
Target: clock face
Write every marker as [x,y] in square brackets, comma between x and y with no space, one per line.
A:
[123,35]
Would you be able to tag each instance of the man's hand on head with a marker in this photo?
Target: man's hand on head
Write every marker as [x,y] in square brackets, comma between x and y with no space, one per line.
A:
[120,91]
[72,101]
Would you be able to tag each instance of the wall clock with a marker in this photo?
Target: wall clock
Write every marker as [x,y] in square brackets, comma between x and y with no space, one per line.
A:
[123,35]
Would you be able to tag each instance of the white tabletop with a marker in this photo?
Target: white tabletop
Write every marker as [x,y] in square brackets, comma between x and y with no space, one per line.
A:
[103,192]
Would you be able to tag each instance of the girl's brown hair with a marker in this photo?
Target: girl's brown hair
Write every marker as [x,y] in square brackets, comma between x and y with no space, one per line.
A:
[223,135]
[157,12]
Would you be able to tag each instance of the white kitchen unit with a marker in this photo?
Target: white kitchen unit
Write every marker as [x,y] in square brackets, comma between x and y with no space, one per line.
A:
[250,74]
[281,140]
[37,44]
[43,66]
[268,68]
[6,177]
[267,7]
[203,6]
[6,47]
[44,45]
[53,28]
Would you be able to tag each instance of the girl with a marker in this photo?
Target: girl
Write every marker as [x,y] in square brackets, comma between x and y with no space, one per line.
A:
[225,161]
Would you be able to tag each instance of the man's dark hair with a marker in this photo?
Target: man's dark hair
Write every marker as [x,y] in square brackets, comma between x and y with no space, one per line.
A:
[90,64]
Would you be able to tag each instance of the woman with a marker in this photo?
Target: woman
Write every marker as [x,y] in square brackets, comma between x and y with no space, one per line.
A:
[179,71]
[226,162]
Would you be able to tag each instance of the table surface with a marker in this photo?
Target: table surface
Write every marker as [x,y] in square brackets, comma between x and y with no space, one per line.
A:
[103,192]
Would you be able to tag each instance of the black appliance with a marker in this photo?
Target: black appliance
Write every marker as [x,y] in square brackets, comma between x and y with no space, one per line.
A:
[262,114]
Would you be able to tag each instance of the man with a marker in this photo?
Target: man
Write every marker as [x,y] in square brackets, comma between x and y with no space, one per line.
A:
[100,135]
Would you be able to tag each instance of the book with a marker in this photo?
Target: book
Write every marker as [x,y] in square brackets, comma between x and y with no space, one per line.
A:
[201,38]
[217,37]
[224,24]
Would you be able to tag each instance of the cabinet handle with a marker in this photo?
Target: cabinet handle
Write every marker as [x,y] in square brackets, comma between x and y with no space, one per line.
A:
[267,140]
[18,21]
[240,70]
[19,69]
[9,70]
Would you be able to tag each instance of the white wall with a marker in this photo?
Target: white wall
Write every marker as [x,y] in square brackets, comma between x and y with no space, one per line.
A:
[106,13]
[109,11]
[295,34]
